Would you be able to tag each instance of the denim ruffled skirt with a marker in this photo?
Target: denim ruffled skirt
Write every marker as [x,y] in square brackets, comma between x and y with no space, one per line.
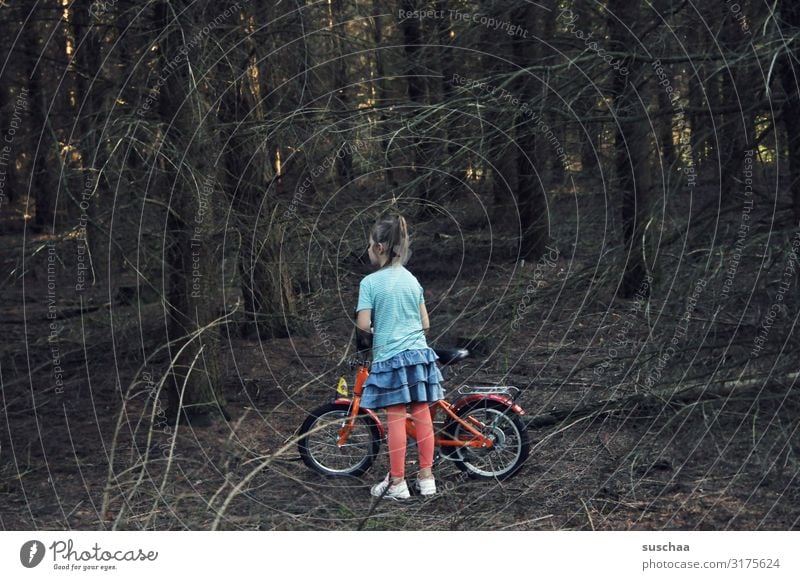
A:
[407,377]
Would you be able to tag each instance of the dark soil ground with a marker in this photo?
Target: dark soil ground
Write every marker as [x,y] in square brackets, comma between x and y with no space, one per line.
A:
[72,460]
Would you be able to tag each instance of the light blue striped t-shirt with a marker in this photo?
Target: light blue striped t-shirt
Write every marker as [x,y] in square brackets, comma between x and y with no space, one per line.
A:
[394,295]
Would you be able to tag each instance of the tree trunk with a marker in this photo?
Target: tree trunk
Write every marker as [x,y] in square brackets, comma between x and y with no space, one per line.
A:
[6,154]
[699,122]
[266,286]
[501,153]
[632,147]
[452,163]
[264,279]
[587,133]
[43,167]
[531,197]
[344,156]
[15,157]
[381,97]
[790,72]
[421,151]
[194,384]
[103,254]
[738,96]
[665,136]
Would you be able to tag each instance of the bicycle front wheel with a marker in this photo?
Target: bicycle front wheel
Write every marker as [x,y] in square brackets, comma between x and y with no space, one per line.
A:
[500,424]
[319,449]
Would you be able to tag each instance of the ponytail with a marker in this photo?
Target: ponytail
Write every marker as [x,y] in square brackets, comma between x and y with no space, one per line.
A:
[392,232]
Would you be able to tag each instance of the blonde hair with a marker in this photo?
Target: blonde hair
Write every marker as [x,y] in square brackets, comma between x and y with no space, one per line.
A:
[392,232]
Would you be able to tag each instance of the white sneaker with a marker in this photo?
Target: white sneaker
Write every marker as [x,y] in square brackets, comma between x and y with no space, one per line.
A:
[386,490]
[426,486]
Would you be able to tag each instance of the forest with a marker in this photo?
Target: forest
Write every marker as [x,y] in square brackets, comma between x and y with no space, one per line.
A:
[603,198]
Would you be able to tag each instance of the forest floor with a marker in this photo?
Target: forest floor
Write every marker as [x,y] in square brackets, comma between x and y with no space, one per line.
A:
[718,463]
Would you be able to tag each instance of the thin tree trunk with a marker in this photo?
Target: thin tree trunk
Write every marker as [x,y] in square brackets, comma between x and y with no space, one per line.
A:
[699,122]
[452,163]
[104,255]
[421,149]
[632,147]
[737,96]
[381,98]
[194,383]
[45,160]
[502,150]
[6,159]
[344,156]
[588,133]
[665,136]
[16,155]
[790,77]
[531,197]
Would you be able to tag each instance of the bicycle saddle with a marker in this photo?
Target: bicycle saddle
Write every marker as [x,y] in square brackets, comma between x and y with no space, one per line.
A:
[450,355]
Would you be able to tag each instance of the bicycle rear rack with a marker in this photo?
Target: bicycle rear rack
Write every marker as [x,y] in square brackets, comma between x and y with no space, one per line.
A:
[507,390]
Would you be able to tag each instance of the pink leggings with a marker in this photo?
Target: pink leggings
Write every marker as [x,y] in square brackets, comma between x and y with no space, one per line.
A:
[421,415]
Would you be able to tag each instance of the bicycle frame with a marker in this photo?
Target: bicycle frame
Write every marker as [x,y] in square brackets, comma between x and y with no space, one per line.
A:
[451,410]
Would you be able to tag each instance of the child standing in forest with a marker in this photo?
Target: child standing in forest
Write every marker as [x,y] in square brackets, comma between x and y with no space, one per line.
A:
[403,370]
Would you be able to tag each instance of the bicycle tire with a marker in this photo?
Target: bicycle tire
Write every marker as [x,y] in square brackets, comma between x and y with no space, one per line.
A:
[511,448]
[320,433]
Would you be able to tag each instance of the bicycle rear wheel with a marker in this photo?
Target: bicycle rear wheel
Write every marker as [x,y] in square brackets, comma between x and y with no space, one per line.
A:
[318,446]
[504,428]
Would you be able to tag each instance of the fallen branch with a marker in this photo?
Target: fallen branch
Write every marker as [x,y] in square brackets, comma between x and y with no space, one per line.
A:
[689,393]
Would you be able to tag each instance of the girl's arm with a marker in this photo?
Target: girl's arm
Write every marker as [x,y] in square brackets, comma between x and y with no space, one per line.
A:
[423,314]
[364,331]
[364,320]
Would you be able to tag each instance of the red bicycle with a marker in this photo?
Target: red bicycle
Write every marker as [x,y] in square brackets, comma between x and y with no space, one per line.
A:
[481,431]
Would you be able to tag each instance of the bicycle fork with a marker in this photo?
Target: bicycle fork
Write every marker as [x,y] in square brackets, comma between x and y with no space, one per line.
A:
[361,375]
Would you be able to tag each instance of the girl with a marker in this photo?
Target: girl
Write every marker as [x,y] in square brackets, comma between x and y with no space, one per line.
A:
[403,370]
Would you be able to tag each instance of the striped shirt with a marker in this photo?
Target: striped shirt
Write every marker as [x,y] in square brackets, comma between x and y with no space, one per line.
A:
[394,295]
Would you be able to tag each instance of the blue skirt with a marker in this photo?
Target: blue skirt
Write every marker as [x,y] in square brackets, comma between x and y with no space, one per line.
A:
[407,377]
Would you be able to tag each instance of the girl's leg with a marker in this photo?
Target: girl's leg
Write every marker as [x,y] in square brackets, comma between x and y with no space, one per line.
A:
[396,418]
[423,423]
